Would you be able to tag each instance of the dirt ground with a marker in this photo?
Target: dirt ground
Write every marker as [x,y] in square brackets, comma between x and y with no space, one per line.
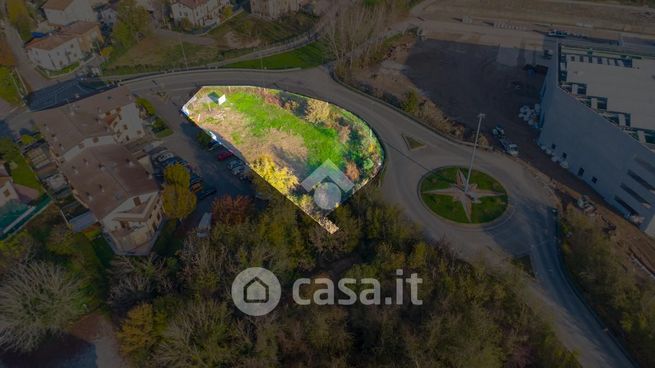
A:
[573,13]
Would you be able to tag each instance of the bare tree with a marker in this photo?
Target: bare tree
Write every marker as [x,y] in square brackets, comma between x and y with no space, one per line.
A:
[355,33]
[37,299]
[137,279]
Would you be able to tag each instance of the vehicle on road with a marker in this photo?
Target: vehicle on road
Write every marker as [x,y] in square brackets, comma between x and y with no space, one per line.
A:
[557,33]
[509,147]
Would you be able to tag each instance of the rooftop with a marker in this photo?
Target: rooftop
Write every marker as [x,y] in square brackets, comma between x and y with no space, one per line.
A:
[619,86]
[62,35]
[68,125]
[106,176]
[51,42]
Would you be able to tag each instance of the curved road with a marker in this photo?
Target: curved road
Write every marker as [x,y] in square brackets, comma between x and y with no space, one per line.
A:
[527,228]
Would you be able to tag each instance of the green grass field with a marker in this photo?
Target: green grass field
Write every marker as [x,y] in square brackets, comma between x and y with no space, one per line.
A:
[8,86]
[21,171]
[307,56]
[322,142]
[487,210]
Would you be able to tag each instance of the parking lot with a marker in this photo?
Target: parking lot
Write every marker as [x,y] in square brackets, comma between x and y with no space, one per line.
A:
[184,146]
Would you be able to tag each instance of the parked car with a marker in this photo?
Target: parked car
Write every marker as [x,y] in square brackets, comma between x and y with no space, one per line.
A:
[234,163]
[239,170]
[498,131]
[206,192]
[509,147]
[174,160]
[224,154]
[163,156]
[213,145]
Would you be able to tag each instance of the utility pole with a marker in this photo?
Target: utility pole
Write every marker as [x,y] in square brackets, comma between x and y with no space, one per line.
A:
[481,116]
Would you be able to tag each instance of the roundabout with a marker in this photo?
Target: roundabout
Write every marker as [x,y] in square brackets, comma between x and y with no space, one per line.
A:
[478,200]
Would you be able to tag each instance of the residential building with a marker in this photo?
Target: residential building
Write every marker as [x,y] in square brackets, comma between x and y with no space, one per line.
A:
[120,193]
[598,121]
[273,9]
[64,47]
[201,13]
[64,12]
[86,139]
[105,118]
[54,52]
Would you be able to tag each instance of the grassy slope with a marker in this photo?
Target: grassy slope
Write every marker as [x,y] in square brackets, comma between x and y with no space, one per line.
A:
[322,143]
[489,208]
[305,57]
[22,173]
[8,91]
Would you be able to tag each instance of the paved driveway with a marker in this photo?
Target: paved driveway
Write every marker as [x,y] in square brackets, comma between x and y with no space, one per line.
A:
[183,143]
[529,226]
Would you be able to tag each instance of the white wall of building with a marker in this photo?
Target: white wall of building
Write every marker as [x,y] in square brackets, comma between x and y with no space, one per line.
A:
[204,15]
[58,58]
[613,163]
[76,10]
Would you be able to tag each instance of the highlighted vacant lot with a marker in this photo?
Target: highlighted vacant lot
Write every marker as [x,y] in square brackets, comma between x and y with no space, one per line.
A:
[294,142]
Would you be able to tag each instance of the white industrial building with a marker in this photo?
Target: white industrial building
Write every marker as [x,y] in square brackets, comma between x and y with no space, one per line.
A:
[598,121]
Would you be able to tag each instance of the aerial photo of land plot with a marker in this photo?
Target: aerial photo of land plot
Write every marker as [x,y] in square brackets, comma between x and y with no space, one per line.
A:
[286,137]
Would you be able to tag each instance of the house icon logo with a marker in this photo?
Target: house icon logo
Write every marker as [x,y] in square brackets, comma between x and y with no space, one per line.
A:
[256,291]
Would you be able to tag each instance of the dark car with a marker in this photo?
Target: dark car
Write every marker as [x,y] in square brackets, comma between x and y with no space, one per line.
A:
[206,192]
[224,154]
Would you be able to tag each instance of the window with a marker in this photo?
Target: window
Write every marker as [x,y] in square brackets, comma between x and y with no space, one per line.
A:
[641,181]
[581,171]
[137,201]
[594,179]
[553,146]
[635,195]
[564,156]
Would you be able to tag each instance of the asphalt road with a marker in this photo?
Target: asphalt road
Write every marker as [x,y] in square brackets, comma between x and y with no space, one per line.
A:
[527,228]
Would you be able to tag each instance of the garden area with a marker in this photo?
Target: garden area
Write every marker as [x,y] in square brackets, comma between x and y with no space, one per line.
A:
[443,191]
[284,136]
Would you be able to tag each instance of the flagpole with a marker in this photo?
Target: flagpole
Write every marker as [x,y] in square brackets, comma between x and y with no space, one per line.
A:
[481,116]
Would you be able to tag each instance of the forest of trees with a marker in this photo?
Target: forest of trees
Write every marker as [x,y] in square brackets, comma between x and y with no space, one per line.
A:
[176,311]
[625,301]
